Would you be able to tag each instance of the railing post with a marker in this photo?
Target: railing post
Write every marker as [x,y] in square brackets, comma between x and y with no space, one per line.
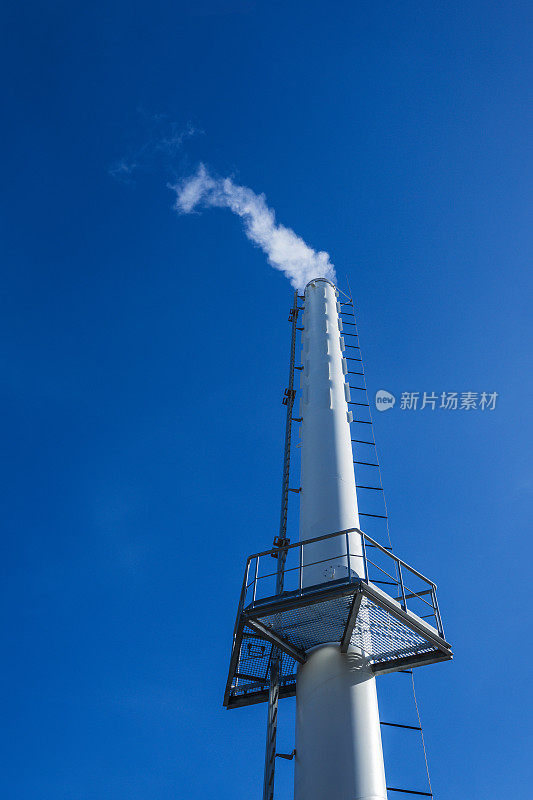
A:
[301,567]
[348,555]
[244,590]
[404,602]
[255,577]
[365,562]
[437,610]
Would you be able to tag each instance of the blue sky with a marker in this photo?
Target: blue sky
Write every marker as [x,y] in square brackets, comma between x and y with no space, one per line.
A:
[144,356]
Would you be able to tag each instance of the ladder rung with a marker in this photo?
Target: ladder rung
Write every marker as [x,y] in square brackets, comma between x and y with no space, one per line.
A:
[385,547]
[361,441]
[354,373]
[357,388]
[288,756]
[353,403]
[366,463]
[397,725]
[409,791]
[376,516]
[362,422]
[375,488]
[348,358]
[353,347]
[350,323]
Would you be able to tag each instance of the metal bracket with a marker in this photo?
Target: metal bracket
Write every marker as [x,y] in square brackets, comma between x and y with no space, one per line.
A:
[288,756]
[289,394]
[280,542]
[293,313]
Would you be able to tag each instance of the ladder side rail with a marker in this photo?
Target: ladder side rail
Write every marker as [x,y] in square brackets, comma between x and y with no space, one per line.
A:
[399,563]
[273,693]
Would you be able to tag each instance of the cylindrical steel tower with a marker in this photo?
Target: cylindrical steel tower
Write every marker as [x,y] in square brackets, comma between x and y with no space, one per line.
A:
[338,740]
[319,625]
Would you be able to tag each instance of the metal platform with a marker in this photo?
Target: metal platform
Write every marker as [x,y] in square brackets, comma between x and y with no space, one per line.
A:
[391,631]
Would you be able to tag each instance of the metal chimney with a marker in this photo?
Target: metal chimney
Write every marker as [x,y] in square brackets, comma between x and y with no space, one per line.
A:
[338,738]
[313,619]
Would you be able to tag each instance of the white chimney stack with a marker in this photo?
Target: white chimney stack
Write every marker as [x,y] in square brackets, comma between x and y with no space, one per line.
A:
[338,740]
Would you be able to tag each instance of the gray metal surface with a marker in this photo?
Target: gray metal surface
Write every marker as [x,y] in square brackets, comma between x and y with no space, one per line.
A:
[353,611]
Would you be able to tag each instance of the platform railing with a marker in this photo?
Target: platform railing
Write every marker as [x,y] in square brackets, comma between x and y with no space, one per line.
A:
[412,590]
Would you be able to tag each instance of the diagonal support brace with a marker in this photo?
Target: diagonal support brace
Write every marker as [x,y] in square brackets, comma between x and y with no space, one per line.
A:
[350,624]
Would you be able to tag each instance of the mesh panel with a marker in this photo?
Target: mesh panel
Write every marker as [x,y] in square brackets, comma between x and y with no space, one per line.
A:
[252,672]
[311,625]
[381,636]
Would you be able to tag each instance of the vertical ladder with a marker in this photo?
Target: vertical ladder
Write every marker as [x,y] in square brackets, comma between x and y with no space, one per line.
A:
[280,542]
[370,440]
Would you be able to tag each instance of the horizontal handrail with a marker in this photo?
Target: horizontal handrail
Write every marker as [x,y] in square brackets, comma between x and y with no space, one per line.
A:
[305,541]
[255,583]
[343,533]
[384,571]
[309,564]
[414,594]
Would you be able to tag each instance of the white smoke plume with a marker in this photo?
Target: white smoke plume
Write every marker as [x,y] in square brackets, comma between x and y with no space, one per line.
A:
[284,249]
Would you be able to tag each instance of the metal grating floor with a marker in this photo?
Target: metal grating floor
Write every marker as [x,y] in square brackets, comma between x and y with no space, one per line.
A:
[390,637]
[311,625]
[381,636]
[376,632]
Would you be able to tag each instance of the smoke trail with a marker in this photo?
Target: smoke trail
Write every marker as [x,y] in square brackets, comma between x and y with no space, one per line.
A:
[284,249]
